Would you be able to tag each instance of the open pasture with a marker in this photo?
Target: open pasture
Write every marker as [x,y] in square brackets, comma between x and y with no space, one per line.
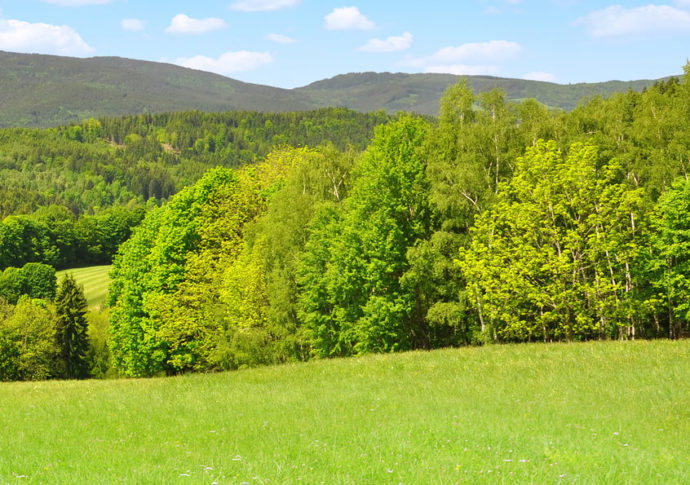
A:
[614,412]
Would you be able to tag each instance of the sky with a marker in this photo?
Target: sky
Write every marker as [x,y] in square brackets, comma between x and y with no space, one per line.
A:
[291,43]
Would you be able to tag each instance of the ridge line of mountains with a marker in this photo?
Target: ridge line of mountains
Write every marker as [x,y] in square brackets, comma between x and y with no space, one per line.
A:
[39,90]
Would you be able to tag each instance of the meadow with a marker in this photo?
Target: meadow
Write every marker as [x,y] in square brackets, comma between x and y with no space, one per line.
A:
[95,280]
[598,412]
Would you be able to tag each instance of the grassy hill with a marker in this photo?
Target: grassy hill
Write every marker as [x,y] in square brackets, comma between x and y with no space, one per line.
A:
[95,280]
[598,412]
[41,90]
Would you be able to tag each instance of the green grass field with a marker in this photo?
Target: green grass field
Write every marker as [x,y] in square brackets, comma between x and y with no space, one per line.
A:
[95,280]
[579,413]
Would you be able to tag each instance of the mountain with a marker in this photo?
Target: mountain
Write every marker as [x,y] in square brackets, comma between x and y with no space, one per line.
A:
[41,90]
[421,92]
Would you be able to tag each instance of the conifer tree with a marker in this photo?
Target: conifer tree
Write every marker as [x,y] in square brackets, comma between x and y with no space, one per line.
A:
[72,339]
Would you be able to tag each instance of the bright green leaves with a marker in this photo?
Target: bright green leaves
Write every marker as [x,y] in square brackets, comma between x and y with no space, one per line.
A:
[151,265]
[352,300]
[554,258]
[669,264]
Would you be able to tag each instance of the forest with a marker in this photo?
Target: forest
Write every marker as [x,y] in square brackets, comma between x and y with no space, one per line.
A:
[245,239]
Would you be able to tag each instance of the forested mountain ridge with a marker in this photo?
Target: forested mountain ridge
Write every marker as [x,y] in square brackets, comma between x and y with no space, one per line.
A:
[43,90]
[421,93]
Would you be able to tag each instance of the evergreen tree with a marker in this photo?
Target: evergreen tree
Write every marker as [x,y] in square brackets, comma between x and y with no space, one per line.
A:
[72,339]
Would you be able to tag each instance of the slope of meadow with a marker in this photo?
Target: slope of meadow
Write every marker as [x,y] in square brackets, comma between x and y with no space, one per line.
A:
[562,413]
[95,280]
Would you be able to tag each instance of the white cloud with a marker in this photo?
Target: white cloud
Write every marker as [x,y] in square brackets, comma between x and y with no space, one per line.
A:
[281,39]
[682,3]
[182,24]
[476,58]
[77,3]
[540,76]
[262,5]
[134,25]
[463,70]
[227,63]
[20,36]
[492,51]
[391,44]
[348,18]
[618,21]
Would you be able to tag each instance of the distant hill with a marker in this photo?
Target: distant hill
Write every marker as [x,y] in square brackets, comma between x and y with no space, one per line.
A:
[421,92]
[41,90]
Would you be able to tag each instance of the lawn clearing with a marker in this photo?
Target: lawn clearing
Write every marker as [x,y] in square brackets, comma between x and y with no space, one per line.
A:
[95,280]
[561,413]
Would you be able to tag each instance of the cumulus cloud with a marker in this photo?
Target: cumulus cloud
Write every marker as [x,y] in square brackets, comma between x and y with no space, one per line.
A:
[20,36]
[77,3]
[182,24]
[475,58]
[133,25]
[540,76]
[619,21]
[262,5]
[348,18]
[391,44]
[463,70]
[227,63]
[492,51]
[281,39]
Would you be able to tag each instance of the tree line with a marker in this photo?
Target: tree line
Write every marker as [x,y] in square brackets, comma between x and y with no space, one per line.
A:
[129,160]
[498,222]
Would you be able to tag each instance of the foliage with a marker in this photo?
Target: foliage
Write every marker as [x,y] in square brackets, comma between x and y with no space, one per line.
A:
[28,349]
[352,299]
[669,262]
[553,258]
[167,277]
[34,280]
[71,329]
[260,288]
[53,236]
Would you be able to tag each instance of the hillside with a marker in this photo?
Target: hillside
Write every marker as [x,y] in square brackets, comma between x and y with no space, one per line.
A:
[42,90]
[503,414]
[421,92]
[94,280]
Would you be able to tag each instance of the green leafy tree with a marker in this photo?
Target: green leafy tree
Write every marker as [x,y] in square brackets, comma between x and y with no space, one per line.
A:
[669,264]
[556,256]
[71,329]
[352,300]
[27,340]
[39,280]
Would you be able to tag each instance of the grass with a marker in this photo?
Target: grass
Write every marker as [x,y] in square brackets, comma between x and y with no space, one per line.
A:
[579,413]
[95,280]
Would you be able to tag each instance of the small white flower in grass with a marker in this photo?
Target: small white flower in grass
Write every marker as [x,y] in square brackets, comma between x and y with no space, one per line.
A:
[615,433]
[237,458]
[185,475]
[389,470]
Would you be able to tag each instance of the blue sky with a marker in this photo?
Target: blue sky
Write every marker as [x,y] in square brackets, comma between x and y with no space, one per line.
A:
[291,43]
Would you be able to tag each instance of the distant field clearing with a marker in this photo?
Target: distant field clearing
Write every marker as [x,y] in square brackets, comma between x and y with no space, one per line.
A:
[95,280]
